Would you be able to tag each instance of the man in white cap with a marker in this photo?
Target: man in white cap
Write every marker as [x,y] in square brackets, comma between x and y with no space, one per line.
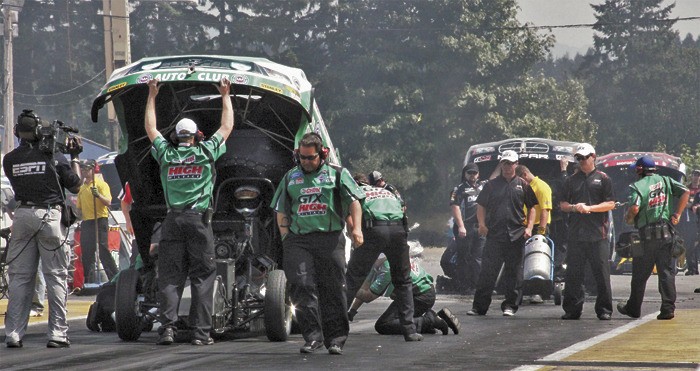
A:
[187,244]
[588,196]
[500,213]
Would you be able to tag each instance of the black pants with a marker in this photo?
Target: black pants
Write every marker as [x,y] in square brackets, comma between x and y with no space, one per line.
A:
[691,253]
[498,253]
[557,232]
[391,240]
[88,244]
[186,250]
[390,323]
[655,252]
[579,253]
[314,264]
[469,252]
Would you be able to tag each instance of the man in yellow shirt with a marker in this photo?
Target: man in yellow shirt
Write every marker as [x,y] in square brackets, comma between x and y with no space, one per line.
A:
[94,199]
[543,192]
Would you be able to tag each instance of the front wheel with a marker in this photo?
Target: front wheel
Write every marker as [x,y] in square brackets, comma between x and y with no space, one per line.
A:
[127,309]
[278,309]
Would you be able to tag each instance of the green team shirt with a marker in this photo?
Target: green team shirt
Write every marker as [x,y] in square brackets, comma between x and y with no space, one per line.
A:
[381,282]
[186,172]
[653,194]
[380,204]
[311,201]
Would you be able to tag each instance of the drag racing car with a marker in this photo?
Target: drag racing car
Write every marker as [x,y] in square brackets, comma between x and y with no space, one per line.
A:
[274,107]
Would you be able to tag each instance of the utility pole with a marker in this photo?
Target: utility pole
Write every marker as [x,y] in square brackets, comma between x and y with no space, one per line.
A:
[10,13]
[117,52]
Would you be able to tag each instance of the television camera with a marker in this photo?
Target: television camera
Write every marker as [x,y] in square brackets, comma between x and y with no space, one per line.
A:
[32,127]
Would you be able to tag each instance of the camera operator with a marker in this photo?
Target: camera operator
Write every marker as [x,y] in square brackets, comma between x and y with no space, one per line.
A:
[38,178]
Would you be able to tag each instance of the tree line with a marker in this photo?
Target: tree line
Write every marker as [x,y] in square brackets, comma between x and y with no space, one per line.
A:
[405,86]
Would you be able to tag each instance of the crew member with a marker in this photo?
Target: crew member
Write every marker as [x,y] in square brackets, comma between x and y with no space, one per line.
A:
[469,245]
[650,212]
[384,231]
[94,199]
[691,254]
[378,283]
[500,213]
[587,196]
[376,179]
[187,246]
[311,202]
[38,180]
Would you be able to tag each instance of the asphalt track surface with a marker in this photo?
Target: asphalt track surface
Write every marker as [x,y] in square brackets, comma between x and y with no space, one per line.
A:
[534,339]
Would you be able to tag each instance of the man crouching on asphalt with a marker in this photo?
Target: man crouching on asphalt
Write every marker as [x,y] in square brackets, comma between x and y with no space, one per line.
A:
[187,244]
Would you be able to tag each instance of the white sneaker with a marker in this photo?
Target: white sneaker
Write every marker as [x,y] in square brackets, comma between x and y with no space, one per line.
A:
[536,299]
[508,312]
[473,312]
[34,313]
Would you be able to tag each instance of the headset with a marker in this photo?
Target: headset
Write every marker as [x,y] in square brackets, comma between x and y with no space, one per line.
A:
[29,125]
[318,143]
[197,137]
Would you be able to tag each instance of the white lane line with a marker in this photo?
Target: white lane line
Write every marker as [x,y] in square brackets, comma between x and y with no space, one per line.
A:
[583,345]
[558,356]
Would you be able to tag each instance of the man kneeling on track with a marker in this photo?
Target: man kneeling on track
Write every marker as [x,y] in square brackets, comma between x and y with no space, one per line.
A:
[426,320]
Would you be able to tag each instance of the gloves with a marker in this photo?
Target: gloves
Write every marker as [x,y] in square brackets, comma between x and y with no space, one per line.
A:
[351,314]
[74,146]
[95,192]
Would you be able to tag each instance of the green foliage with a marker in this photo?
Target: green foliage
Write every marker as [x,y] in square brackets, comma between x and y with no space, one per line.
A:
[641,81]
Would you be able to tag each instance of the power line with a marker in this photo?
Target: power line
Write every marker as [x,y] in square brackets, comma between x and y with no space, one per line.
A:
[63,92]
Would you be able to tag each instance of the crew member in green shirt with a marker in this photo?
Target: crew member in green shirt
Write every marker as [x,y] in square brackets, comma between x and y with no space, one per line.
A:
[312,201]
[378,283]
[187,245]
[650,203]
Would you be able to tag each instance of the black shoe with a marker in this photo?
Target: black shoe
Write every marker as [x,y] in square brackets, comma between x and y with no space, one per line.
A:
[311,346]
[570,316]
[605,317]
[167,337]
[437,322]
[622,308]
[697,291]
[58,344]
[450,319]
[689,273]
[411,337]
[335,350]
[667,315]
[209,341]
[14,344]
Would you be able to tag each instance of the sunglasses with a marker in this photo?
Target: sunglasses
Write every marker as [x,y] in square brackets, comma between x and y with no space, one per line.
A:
[472,172]
[507,163]
[308,158]
[581,158]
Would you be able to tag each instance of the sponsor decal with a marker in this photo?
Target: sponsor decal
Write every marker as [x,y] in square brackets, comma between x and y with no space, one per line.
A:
[240,79]
[189,160]
[213,76]
[144,78]
[377,193]
[116,87]
[310,190]
[563,149]
[519,187]
[482,158]
[29,168]
[171,76]
[657,197]
[596,181]
[310,205]
[185,172]
[271,88]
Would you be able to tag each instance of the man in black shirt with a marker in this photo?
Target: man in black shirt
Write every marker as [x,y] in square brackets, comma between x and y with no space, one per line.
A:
[501,216]
[38,179]
[469,245]
[587,196]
